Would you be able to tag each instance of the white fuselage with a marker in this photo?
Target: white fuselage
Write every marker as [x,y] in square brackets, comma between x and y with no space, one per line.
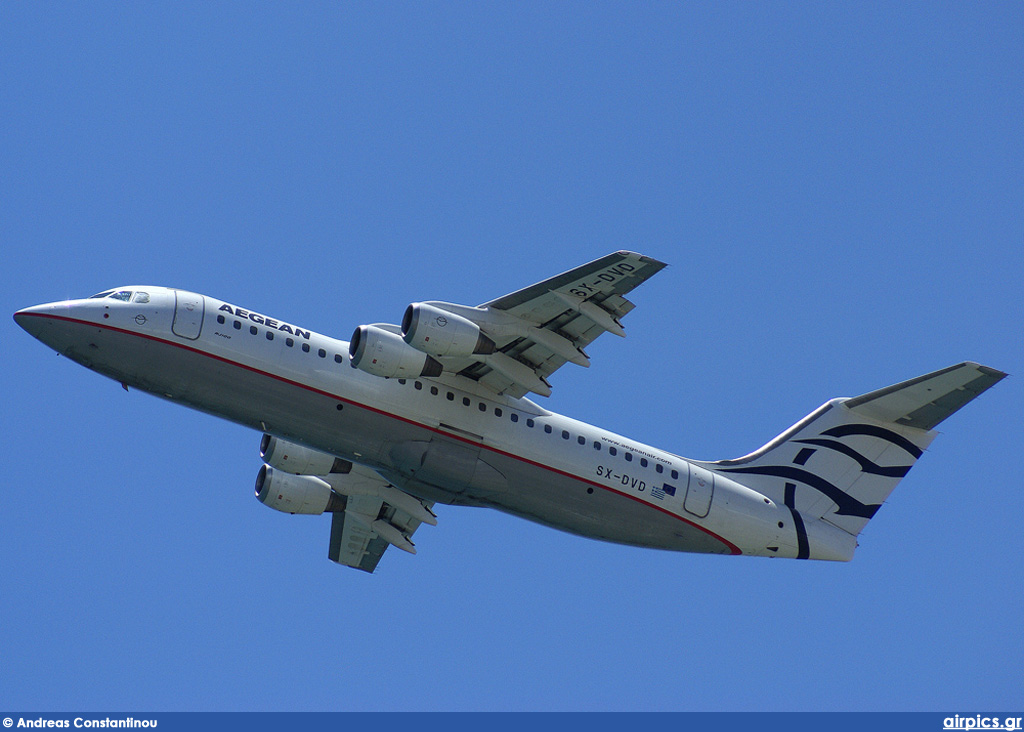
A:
[446,440]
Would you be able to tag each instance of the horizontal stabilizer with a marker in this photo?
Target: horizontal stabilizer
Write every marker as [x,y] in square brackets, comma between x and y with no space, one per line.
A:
[927,400]
[842,461]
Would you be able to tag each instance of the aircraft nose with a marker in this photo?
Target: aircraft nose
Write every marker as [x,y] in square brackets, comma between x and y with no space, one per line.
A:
[35,320]
[27,317]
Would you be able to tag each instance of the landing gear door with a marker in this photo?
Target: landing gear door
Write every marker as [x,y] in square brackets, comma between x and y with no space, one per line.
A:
[699,492]
[188,314]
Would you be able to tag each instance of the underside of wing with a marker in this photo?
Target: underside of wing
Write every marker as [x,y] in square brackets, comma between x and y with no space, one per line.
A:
[513,344]
[371,522]
[354,544]
[541,327]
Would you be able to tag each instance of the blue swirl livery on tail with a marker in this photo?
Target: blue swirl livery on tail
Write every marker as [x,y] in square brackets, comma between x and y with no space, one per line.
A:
[840,463]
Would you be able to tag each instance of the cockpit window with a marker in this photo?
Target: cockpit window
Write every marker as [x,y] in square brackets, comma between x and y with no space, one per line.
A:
[123,295]
[98,295]
[141,297]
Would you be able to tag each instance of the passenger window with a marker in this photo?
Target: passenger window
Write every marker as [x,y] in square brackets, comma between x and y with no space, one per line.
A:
[529,423]
[629,457]
[643,462]
[597,445]
[418,385]
[612,451]
[220,319]
[547,428]
[322,353]
[450,397]
[270,335]
[338,358]
[482,407]
[289,342]
[433,390]
[238,325]
[565,434]
[514,417]
[252,330]
[582,440]
[465,401]
[675,475]
[305,348]
[497,411]
[660,468]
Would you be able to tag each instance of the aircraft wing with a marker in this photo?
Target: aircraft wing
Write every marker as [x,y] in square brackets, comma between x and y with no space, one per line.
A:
[354,544]
[562,315]
[363,531]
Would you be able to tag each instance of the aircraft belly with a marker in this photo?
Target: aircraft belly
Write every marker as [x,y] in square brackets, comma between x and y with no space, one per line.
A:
[125,357]
[423,461]
[561,502]
[226,389]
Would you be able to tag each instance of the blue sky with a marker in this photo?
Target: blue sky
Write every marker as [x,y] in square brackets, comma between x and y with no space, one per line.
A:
[838,189]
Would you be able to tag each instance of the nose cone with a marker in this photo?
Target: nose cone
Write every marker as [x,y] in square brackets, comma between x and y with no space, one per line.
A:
[31,318]
[43,321]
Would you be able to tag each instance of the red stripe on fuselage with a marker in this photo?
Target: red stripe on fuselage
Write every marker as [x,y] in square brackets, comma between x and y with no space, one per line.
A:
[732,547]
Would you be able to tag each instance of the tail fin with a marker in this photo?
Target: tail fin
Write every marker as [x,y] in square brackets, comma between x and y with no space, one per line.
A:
[843,460]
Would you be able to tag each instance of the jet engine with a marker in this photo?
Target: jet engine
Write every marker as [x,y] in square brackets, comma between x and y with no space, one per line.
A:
[441,333]
[383,353]
[296,493]
[298,459]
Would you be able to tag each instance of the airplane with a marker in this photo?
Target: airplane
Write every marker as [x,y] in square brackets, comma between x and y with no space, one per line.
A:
[378,430]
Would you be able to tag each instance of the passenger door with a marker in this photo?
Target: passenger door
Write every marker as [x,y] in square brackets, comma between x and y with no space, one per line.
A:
[700,491]
[188,314]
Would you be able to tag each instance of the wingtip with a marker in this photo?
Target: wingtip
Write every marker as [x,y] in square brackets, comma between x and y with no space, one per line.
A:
[989,371]
[642,257]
